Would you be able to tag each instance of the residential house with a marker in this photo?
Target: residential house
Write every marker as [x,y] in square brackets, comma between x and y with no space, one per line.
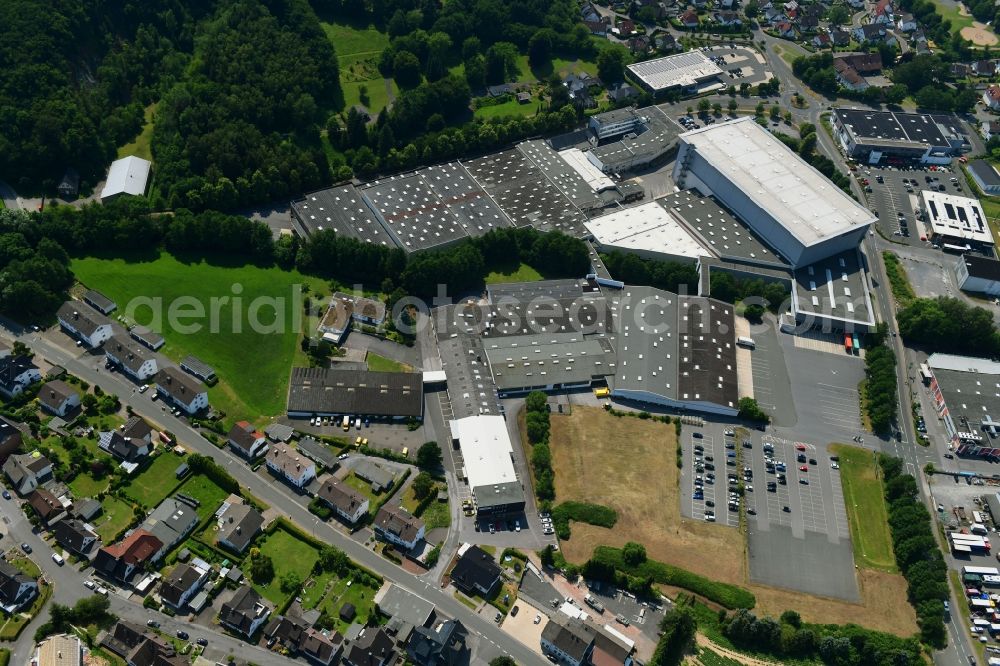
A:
[376,475]
[132,358]
[247,441]
[666,42]
[625,28]
[238,524]
[787,30]
[27,471]
[610,650]
[46,506]
[443,645]
[245,612]
[570,641]
[374,647]
[840,37]
[727,18]
[589,13]
[346,502]
[99,302]
[319,452]
[882,13]
[137,428]
[140,646]
[856,4]
[622,93]
[58,650]
[773,15]
[121,560]
[129,450]
[984,68]
[57,397]
[990,129]
[16,588]
[476,572]
[296,636]
[920,44]
[75,536]
[287,463]
[182,583]
[170,523]
[16,374]
[185,393]
[84,322]
[809,23]
[689,19]
[822,40]
[960,70]
[906,22]
[10,439]
[638,44]
[991,97]
[69,186]
[398,526]
[870,33]
[599,27]
[851,69]
[345,309]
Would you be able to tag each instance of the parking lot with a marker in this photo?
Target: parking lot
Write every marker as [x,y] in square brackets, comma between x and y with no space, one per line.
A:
[740,65]
[896,199]
[715,462]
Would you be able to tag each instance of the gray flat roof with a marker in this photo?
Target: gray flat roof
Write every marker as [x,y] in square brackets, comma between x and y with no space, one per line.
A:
[398,603]
[463,359]
[464,198]
[360,392]
[969,395]
[499,494]
[646,227]
[525,291]
[414,214]
[341,209]
[985,172]
[659,136]
[775,178]
[834,288]
[560,173]
[920,128]
[521,189]
[716,228]
[548,358]
[587,313]
[707,354]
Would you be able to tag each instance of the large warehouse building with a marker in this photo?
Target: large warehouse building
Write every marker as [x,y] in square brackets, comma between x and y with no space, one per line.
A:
[488,464]
[877,137]
[801,214]
[355,393]
[956,221]
[966,393]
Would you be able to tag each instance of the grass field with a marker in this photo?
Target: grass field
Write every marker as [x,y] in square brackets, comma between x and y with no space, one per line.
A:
[150,486]
[141,146]
[511,108]
[331,594]
[358,48]
[115,517]
[254,390]
[900,284]
[205,491]
[629,464]
[521,273]
[378,363]
[289,555]
[866,510]
[362,487]
[559,66]
[84,485]
[949,10]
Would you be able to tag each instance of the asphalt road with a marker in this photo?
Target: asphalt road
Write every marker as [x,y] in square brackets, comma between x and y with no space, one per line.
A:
[493,641]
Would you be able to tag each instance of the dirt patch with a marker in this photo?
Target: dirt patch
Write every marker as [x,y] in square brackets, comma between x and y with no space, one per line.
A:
[630,465]
[703,641]
[979,35]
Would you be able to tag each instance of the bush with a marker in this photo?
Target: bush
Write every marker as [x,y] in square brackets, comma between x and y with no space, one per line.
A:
[879,400]
[317,507]
[582,512]
[606,562]
[751,411]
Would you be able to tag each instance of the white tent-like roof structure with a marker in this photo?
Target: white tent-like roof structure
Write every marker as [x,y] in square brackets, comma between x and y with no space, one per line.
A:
[127,176]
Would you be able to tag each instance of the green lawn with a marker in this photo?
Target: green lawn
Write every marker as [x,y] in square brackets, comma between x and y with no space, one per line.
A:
[378,363]
[25,566]
[559,66]
[247,389]
[338,593]
[205,491]
[140,147]
[510,108]
[116,516]
[150,486]
[288,554]
[358,49]
[437,514]
[866,510]
[522,273]
[949,10]
[351,40]
[362,487]
[84,485]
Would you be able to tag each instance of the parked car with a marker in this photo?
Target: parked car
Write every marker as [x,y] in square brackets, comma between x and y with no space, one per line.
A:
[26,548]
[183,635]
[6,495]
[202,642]
[150,623]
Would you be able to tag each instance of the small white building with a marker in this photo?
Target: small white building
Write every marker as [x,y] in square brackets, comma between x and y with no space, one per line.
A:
[182,390]
[129,175]
[84,323]
[287,463]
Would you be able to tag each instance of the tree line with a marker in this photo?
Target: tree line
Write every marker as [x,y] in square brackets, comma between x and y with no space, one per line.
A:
[916,550]
[947,324]
[880,399]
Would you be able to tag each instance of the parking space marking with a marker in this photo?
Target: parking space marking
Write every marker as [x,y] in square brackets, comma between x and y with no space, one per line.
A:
[839,406]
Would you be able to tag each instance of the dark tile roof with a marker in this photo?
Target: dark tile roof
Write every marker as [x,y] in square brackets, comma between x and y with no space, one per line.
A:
[569,635]
[178,582]
[240,524]
[128,352]
[179,385]
[242,610]
[398,521]
[11,580]
[137,428]
[82,317]
[243,435]
[197,367]
[12,367]
[372,648]
[45,504]
[99,301]
[330,391]
[73,534]
[54,393]
[476,568]
[340,495]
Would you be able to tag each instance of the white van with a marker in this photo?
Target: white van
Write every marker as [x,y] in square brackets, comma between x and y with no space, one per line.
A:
[58,559]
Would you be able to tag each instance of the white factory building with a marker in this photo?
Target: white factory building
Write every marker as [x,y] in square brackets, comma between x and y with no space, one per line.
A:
[955,220]
[488,464]
[800,212]
[647,230]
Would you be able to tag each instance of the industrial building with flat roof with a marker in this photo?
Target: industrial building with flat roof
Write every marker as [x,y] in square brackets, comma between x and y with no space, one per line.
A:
[966,393]
[488,463]
[978,274]
[985,175]
[341,210]
[330,392]
[956,220]
[647,230]
[876,136]
[832,294]
[691,71]
[803,215]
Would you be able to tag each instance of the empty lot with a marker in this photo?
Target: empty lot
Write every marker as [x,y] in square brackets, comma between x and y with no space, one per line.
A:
[629,464]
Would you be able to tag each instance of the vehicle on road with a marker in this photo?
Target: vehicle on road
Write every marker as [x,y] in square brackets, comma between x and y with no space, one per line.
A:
[800,447]
[514,611]
[6,495]
[343,456]
[150,623]
[786,509]
[183,635]
[538,619]
[58,559]
[499,616]
[803,468]
[26,548]
[202,642]
[89,584]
